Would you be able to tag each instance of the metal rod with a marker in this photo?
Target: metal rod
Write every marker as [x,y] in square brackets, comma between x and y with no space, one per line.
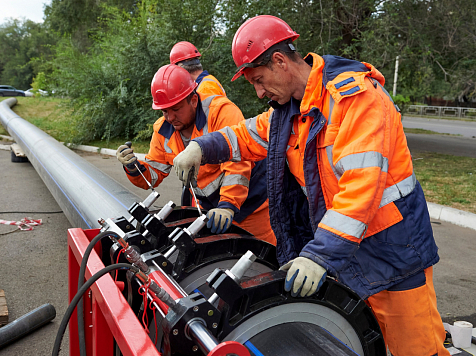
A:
[205,340]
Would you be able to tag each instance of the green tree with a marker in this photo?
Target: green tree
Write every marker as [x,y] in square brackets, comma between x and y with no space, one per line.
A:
[79,18]
[20,43]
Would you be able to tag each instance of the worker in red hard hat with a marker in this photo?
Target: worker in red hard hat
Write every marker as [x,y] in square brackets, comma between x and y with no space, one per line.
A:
[343,196]
[186,55]
[230,191]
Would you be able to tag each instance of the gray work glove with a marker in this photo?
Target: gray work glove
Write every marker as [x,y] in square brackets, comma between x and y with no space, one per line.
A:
[126,156]
[304,276]
[219,220]
[187,163]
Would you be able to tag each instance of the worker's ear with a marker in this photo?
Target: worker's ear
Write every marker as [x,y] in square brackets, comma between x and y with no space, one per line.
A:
[194,101]
[279,60]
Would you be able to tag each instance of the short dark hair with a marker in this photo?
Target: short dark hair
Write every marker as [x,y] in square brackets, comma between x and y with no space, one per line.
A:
[293,55]
[191,65]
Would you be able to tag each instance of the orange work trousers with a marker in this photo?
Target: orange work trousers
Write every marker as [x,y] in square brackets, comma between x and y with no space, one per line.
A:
[410,322]
[258,224]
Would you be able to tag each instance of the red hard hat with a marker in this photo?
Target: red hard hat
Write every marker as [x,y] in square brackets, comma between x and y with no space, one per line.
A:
[255,36]
[182,51]
[171,84]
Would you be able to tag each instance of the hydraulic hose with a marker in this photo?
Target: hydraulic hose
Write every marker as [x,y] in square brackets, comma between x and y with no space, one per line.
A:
[78,296]
[82,270]
[26,324]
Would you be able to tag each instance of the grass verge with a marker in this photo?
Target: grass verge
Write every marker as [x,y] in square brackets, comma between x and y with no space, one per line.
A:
[52,116]
[447,180]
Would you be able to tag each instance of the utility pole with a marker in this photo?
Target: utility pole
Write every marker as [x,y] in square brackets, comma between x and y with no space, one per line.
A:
[395,77]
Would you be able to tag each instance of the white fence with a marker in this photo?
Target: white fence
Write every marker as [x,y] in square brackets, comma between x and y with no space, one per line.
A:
[441,111]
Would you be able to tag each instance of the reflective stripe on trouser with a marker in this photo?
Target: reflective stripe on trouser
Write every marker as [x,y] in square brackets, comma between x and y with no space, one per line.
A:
[258,224]
[410,322]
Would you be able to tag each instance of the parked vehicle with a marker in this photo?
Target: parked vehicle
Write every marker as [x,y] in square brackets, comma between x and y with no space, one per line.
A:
[30,92]
[8,90]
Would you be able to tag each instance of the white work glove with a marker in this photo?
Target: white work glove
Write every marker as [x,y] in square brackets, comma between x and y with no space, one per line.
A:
[304,276]
[187,163]
[126,156]
[219,220]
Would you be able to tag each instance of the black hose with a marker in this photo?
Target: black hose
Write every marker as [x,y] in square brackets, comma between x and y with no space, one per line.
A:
[82,270]
[26,324]
[78,296]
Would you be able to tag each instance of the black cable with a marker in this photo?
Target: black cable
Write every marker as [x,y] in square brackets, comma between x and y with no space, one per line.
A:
[78,296]
[82,271]
[31,212]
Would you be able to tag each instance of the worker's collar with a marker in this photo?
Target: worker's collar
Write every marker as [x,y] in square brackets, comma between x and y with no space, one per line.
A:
[167,130]
[313,93]
[200,117]
[201,76]
[291,107]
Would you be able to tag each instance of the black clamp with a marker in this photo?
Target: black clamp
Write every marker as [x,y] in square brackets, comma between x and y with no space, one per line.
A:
[224,285]
[177,323]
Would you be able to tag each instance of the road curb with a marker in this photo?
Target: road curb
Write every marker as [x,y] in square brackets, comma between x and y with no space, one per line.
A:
[103,151]
[439,212]
[451,215]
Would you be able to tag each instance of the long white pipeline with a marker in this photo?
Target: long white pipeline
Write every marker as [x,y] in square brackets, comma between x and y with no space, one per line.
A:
[83,192]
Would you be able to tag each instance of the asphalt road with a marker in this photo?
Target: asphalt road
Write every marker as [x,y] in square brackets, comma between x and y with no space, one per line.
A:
[449,145]
[33,268]
[455,127]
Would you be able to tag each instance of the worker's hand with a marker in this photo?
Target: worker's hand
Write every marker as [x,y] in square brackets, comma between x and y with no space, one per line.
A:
[187,163]
[219,220]
[304,276]
[126,156]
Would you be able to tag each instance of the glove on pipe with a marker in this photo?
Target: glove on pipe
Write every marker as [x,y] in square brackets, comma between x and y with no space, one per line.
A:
[304,277]
[219,220]
[126,156]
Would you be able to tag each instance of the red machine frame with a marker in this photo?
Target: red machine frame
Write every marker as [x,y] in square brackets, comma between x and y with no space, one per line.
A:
[107,313]
[108,316]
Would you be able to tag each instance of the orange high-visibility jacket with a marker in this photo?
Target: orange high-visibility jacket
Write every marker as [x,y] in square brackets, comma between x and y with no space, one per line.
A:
[209,85]
[351,201]
[224,185]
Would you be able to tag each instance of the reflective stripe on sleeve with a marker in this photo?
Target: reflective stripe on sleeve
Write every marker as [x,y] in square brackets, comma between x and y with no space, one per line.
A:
[252,130]
[345,224]
[206,104]
[166,146]
[153,177]
[234,179]
[211,187]
[236,154]
[398,190]
[362,160]
[164,168]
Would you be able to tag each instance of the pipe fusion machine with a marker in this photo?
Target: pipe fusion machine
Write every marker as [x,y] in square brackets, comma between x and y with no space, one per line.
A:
[198,293]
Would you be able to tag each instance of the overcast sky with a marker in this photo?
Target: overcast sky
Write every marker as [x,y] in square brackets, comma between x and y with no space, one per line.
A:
[17,9]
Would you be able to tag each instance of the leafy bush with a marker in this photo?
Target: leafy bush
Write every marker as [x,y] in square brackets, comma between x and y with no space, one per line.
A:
[401,101]
[39,82]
